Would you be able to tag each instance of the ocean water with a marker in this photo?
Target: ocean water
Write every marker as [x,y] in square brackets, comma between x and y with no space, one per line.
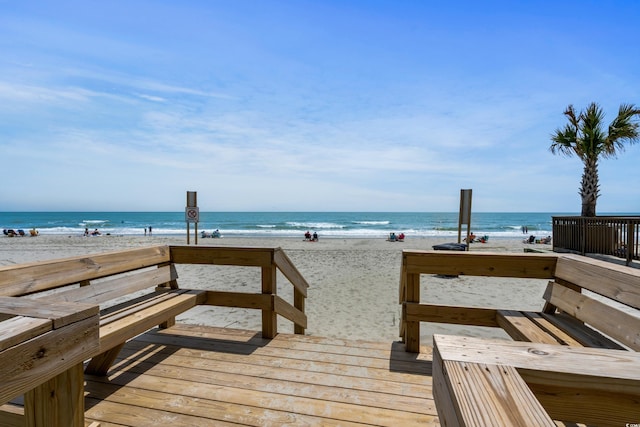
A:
[283,224]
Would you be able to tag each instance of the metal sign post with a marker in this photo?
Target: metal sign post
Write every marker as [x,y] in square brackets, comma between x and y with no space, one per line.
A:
[465,215]
[192,213]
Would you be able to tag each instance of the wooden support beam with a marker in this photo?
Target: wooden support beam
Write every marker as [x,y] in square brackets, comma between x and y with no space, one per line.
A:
[100,364]
[269,317]
[412,328]
[474,316]
[299,302]
[58,402]
[534,266]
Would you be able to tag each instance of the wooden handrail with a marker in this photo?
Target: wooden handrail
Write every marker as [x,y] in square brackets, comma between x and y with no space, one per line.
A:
[25,279]
[269,260]
[415,263]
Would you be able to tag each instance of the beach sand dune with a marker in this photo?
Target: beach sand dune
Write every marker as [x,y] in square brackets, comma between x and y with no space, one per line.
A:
[354,283]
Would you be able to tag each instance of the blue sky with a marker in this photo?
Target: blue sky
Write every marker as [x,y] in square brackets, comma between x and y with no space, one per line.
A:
[308,105]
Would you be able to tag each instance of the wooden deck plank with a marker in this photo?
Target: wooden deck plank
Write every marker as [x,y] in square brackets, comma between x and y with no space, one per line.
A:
[285,353]
[140,407]
[291,370]
[259,378]
[194,375]
[274,361]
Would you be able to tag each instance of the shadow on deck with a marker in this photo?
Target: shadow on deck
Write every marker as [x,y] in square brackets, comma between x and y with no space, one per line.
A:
[197,375]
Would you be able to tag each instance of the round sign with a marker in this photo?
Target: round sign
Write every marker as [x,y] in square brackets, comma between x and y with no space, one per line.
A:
[191,214]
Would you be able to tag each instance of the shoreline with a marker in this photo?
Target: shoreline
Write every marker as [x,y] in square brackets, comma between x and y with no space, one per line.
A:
[353,282]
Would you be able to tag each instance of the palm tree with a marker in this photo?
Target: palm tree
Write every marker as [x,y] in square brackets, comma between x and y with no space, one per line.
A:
[585,137]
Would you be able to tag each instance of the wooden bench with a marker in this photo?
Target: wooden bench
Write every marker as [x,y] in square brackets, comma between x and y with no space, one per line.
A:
[137,289]
[587,302]
[145,279]
[487,382]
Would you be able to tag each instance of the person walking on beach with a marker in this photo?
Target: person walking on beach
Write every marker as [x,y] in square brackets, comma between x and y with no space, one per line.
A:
[149,230]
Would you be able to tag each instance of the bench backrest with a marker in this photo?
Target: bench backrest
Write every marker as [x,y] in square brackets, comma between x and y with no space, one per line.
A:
[616,312]
[152,267]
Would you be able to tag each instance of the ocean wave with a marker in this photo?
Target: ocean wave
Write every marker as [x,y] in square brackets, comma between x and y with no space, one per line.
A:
[289,232]
[347,225]
[314,225]
[371,222]
[94,221]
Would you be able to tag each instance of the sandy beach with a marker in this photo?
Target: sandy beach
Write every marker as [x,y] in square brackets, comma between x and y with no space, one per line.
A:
[354,283]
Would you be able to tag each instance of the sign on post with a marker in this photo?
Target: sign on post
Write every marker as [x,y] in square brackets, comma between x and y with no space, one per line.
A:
[192,213]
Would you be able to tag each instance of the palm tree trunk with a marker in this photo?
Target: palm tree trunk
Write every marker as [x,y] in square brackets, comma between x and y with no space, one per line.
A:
[590,188]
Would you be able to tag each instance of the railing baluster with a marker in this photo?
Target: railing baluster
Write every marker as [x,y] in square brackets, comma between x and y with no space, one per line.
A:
[607,235]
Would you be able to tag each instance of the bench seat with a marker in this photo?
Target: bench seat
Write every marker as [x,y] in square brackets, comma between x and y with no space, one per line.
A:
[485,382]
[126,320]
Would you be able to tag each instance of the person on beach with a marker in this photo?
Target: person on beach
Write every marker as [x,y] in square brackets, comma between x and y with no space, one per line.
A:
[315,236]
[86,231]
[307,235]
[149,230]
[95,232]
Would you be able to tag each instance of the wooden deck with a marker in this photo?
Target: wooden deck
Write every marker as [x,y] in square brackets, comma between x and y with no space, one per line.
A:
[196,375]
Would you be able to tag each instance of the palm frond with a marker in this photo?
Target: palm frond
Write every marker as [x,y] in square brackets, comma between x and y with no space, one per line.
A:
[623,129]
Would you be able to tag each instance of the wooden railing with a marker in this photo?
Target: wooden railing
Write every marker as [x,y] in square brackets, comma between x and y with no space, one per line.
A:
[415,263]
[270,260]
[607,235]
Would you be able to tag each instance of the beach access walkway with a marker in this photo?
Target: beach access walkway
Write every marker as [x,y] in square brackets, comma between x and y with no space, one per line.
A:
[193,375]
[93,341]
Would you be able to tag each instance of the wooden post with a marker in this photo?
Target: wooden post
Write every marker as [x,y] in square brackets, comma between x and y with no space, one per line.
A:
[191,213]
[100,364]
[298,302]
[269,318]
[631,248]
[45,406]
[412,329]
[464,217]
